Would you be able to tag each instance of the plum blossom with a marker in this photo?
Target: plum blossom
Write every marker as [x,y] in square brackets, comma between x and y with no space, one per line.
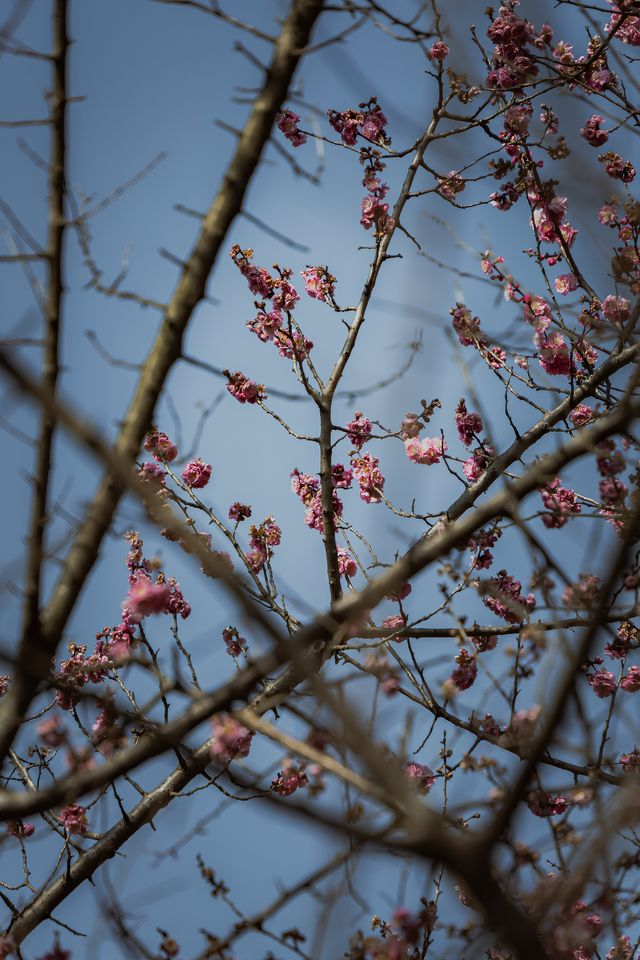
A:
[566,283]
[631,682]
[239,511]
[630,762]
[469,424]
[235,644]
[19,829]
[288,125]
[422,777]
[506,599]
[346,564]
[318,283]
[197,474]
[616,309]
[603,683]
[561,504]
[74,819]
[466,671]
[160,446]
[359,430]
[475,466]
[629,30]
[616,167]
[544,804]
[438,51]
[145,598]
[52,732]
[427,451]
[592,133]
[291,778]
[229,738]
[466,326]
[243,389]
[580,415]
[369,477]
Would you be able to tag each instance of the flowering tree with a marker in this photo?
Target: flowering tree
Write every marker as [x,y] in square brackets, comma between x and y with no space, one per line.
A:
[451,695]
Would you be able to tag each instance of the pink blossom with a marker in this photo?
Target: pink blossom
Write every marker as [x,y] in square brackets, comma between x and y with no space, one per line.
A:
[291,778]
[376,214]
[266,325]
[19,829]
[580,415]
[603,683]
[622,950]
[468,424]
[616,167]
[506,599]
[411,426]
[341,477]
[629,31]
[561,502]
[369,477]
[319,283]
[229,738]
[553,354]
[401,593]
[545,805]
[475,466]
[145,598]
[396,622]
[583,594]
[566,283]
[616,309]
[152,472]
[176,603]
[592,133]
[51,731]
[451,185]
[427,451]
[239,511]
[466,672]
[288,125]
[359,430]
[235,644]
[631,682]
[484,643]
[630,762]
[243,389]
[197,474]
[466,326]
[422,776]
[160,446]
[74,819]
[626,638]
[438,51]
[608,214]
[346,564]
